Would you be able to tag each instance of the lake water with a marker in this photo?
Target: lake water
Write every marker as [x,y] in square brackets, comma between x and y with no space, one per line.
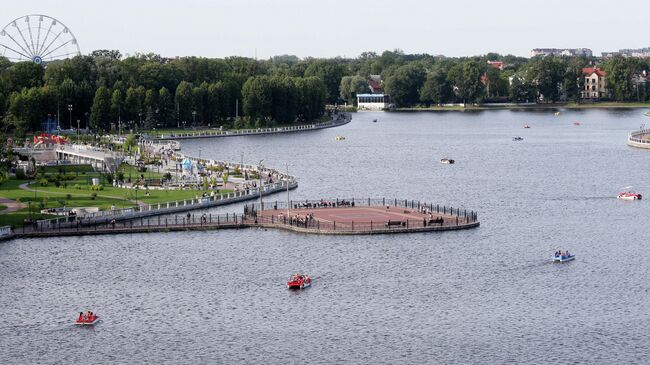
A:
[488,295]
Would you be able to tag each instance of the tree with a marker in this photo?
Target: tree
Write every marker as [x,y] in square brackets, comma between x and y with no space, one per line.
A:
[313,94]
[573,81]
[151,109]
[256,93]
[466,78]
[184,100]
[100,115]
[549,74]
[117,105]
[26,75]
[620,74]
[166,112]
[351,86]
[404,83]
[134,103]
[330,72]
[436,88]
[521,90]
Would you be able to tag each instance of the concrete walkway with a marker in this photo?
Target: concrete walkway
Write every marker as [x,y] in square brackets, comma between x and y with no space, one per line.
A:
[11,205]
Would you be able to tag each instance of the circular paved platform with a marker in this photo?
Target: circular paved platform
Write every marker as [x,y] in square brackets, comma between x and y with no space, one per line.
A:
[367,219]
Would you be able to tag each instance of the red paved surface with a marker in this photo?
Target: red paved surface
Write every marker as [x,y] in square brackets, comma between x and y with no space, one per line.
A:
[358,214]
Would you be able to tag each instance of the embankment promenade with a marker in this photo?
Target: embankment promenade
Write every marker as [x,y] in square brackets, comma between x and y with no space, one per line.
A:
[338,120]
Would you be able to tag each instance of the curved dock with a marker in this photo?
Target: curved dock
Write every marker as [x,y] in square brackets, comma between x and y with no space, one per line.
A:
[639,139]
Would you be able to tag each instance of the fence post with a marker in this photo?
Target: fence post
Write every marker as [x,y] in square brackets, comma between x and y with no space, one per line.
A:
[371,225]
[383,201]
[353,225]
[335,225]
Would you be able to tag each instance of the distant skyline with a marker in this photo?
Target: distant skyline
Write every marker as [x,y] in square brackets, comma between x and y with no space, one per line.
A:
[263,28]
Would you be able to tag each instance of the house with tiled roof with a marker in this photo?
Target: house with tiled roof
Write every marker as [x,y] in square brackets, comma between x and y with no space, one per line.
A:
[595,86]
[374,82]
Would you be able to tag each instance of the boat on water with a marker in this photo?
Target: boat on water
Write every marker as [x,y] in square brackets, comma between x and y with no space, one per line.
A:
[557,113]
[576,123]
[374,120]
[517,138]
[563,256]
[299,281]
[526,126]
[447,161]
[628,195]
[339,138]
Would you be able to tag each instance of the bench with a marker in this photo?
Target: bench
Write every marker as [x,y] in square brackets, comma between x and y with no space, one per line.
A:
[394,224]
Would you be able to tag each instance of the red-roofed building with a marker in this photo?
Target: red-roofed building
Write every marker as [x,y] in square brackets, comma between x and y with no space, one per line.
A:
[499,65]
[374,82]
[595,83]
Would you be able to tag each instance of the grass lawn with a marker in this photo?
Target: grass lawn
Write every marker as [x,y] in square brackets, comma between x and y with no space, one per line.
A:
[134,173]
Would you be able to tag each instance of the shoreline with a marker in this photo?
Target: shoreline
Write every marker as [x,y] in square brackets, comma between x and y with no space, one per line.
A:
[571,106]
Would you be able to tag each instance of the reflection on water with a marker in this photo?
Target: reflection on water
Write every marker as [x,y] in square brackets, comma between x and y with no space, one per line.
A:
[457,297]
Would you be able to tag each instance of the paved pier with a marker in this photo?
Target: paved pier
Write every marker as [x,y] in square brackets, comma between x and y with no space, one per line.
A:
[343,217]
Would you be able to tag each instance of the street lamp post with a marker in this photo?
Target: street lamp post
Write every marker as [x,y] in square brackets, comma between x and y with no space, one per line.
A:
[288,201]
[140,115]
[70,114]
[78,131]
[194,117]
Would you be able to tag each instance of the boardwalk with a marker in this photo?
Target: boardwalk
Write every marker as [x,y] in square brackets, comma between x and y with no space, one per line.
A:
[337,218]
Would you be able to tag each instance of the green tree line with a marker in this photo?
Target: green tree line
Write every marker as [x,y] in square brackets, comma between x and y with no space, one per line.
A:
[149,91]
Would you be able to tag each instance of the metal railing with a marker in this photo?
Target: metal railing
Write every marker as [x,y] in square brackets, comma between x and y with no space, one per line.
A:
[635,137]
[432,215]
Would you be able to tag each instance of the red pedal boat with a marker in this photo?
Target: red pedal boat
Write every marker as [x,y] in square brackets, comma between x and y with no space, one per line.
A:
[299,281]
[628,195]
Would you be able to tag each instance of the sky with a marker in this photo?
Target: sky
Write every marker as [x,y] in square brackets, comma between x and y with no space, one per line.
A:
[330,28]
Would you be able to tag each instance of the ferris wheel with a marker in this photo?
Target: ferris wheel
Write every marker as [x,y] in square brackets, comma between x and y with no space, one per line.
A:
[37,38]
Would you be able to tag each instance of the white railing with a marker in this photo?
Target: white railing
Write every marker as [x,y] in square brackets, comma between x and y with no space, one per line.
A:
[5,232]
[343,119]
[637,137]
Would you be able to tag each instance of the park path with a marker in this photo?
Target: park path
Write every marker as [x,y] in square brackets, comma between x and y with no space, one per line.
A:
[27,188]
[11,205]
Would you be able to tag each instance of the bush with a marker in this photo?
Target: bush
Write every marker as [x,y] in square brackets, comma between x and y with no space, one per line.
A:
[68,196]
[77,186]
[168,176]
[96,187]
[43,182]
[93,196]
[20,174]
[57,183]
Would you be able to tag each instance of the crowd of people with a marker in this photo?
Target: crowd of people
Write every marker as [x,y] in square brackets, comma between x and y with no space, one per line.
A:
[87,317]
